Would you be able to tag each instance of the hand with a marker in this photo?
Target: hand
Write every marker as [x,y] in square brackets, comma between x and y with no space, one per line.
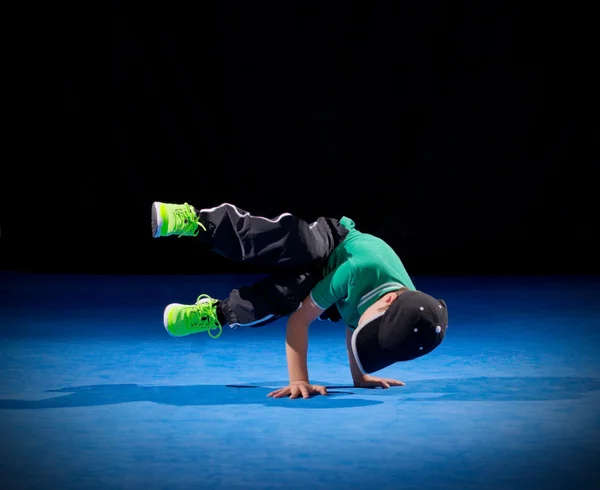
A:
[368,381]
[297,388]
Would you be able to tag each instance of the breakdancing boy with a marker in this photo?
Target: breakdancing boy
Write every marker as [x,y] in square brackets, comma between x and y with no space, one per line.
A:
[326,269]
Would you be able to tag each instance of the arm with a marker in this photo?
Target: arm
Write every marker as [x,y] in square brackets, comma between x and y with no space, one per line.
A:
[296,347]
[354,369]
[326,292]
[365,380]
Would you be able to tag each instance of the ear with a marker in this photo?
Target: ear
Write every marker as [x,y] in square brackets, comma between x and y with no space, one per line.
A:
[389,298]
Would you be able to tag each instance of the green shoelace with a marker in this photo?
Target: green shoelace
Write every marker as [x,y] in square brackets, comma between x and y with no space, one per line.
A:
[187,221]
[203,317]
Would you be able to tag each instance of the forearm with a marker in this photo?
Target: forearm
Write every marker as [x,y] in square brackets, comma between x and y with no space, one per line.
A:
[297,349]
[354,369]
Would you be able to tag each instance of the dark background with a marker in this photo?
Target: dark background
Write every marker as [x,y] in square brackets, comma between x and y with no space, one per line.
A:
[463,133]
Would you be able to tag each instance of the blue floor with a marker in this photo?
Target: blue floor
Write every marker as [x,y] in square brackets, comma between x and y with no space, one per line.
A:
[94,394]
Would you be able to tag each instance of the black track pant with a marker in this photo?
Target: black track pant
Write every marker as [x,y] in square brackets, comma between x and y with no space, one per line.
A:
[294,250]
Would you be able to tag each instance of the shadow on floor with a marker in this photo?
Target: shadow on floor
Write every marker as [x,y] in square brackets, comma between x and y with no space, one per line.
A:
[97,395]
[452,389]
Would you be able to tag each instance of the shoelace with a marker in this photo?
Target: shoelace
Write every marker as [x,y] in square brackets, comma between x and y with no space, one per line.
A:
[187,221]
[205,317]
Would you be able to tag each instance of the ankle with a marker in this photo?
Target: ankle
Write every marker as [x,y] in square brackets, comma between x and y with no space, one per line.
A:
[220,315]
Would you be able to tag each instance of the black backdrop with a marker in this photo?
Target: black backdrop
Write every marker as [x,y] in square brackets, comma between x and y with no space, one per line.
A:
[460,132]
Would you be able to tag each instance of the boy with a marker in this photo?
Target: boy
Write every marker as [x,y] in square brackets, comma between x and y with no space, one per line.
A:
[326,269]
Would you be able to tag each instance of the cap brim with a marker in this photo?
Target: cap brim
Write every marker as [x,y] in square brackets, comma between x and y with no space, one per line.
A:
[368,354]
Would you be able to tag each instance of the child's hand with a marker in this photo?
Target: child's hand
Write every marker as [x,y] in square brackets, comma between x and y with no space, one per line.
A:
[367,381]
[297,388]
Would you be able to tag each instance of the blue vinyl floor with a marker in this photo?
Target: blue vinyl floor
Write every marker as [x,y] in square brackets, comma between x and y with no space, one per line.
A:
[94,394]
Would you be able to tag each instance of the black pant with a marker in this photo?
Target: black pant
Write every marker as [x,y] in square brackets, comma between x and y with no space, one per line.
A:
[293,250]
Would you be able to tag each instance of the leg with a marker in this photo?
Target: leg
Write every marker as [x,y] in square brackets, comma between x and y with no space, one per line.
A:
[256,305]
[286,242]
[267,300]
[295,248]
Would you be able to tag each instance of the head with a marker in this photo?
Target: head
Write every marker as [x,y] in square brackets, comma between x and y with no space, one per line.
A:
[400,326]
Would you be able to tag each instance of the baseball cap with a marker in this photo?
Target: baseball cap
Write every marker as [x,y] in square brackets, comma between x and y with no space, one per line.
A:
[414,325]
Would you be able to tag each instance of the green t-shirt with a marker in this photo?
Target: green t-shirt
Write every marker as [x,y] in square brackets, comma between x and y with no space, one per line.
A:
[360,270]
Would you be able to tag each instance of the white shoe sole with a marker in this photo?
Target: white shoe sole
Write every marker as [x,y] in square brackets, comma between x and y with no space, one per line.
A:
[156,220]
[166,316]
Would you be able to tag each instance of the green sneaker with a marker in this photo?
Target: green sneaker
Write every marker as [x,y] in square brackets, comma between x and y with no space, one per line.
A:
[174,219]
[182,320]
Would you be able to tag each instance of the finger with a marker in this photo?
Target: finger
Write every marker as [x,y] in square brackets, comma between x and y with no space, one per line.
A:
[384,384]
[295,392]
[281,393]
[322,390]
[305,393]
[395,382]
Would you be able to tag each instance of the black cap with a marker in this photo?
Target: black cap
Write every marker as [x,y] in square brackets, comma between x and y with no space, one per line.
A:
[413,325]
